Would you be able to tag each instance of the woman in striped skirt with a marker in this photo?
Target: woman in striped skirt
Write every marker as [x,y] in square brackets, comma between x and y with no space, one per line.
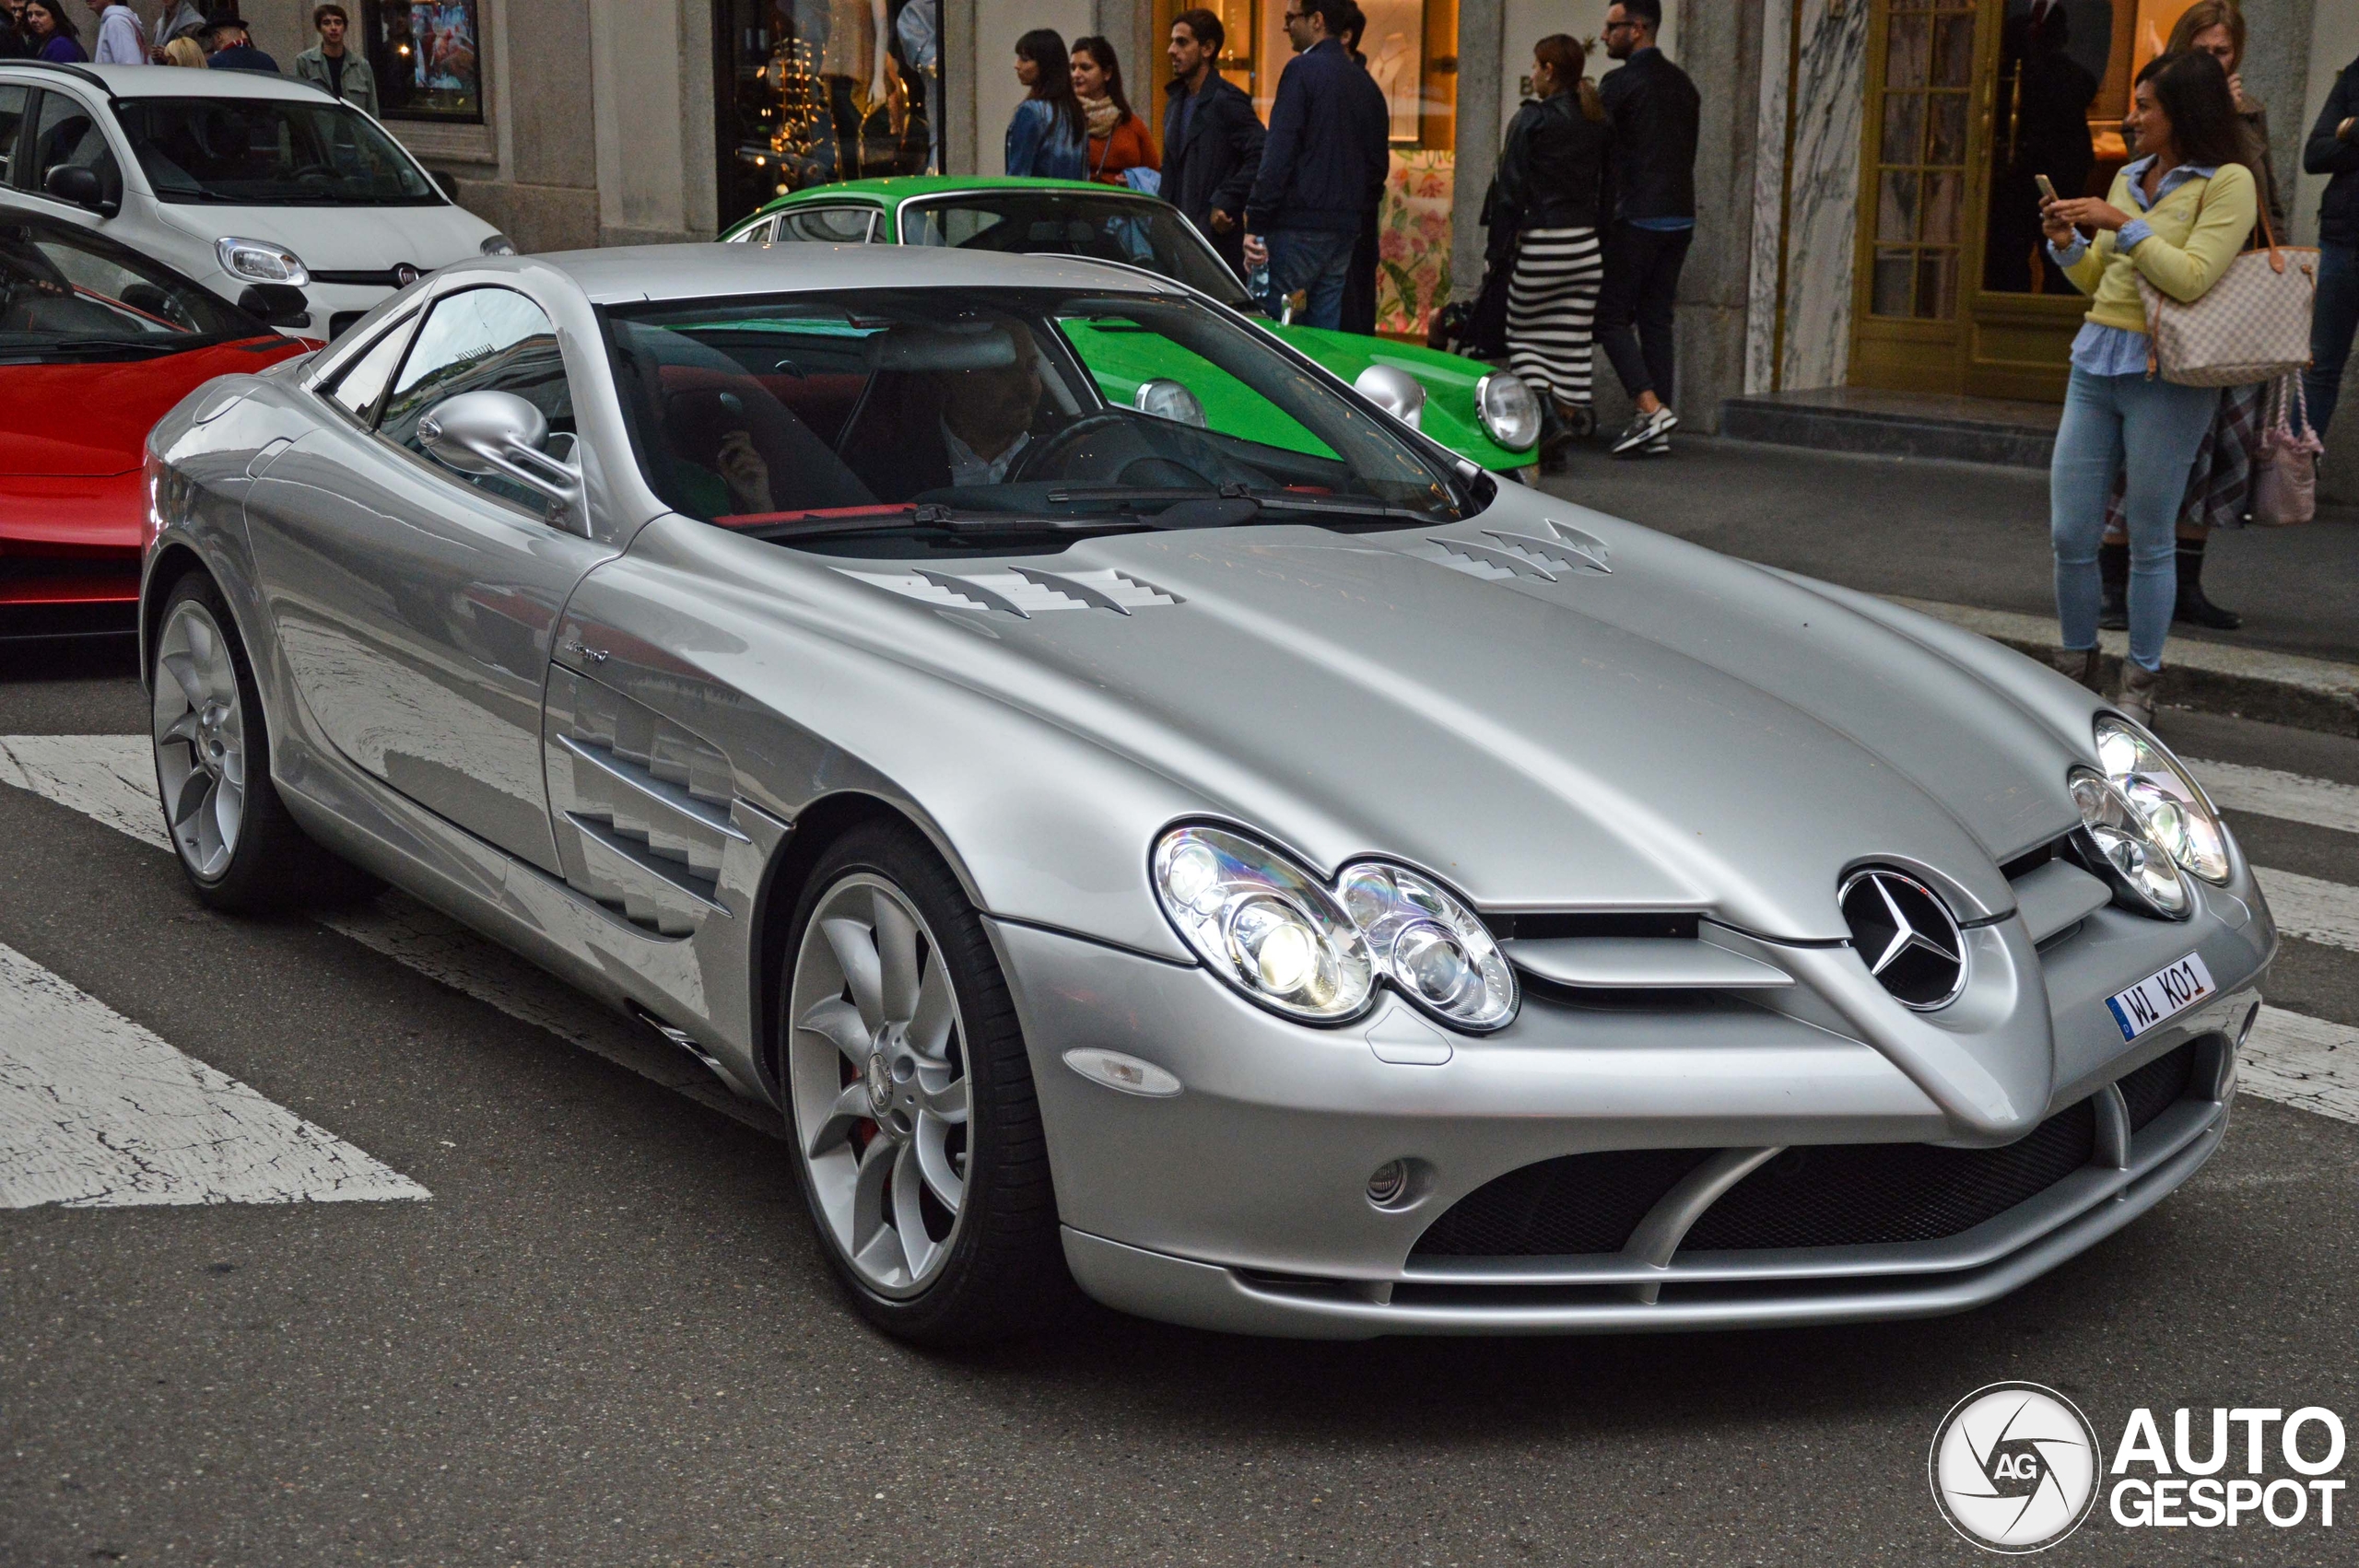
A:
[1552,176]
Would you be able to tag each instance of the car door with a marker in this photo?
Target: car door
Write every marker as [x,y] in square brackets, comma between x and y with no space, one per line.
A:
[415,605]
[14,98]
[65,130]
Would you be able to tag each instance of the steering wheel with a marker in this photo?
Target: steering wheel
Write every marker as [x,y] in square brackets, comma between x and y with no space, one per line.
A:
[1038,462]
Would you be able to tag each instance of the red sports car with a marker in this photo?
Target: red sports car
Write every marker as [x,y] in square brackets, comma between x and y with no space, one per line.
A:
[97,343]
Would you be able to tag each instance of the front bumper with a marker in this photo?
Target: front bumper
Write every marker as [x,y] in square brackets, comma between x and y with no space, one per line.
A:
[1241,1203]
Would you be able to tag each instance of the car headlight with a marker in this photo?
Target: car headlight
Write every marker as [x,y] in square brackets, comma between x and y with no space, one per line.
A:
[259,261]
[1263,925]
[1433,948]
[497,245]
[1509,410]
[1163,399]
[2117,835]
[1395,391]
[1270,929]
[2179,814]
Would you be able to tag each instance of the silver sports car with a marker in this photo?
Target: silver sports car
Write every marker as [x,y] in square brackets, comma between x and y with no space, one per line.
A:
[1186,836]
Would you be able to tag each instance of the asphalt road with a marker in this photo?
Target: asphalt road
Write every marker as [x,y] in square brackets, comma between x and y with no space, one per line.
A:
[607,1338]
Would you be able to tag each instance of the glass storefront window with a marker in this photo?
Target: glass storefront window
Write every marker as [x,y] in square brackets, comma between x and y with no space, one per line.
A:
[427,57]
[815,91]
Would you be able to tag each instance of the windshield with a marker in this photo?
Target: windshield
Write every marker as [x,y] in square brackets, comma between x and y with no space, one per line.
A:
[951,418]
[1104,225]
[263,152]
[66,295]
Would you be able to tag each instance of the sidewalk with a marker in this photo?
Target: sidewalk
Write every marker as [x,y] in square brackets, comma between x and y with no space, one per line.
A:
[1969,541]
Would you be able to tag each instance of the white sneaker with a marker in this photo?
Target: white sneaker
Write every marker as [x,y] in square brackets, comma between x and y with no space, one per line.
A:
[1644,429]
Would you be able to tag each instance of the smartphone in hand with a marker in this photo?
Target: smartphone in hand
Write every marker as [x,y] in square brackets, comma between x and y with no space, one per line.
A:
[2047,189]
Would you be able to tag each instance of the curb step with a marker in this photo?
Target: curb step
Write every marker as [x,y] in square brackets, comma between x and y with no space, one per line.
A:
[2279,688]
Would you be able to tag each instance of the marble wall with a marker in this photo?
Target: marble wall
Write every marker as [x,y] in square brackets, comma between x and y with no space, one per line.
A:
[1817,237]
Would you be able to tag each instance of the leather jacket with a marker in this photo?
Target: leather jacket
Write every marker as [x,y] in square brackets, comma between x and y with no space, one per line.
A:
[1553,169]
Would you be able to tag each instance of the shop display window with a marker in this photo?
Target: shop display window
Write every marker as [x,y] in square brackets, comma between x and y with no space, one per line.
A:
[427,58]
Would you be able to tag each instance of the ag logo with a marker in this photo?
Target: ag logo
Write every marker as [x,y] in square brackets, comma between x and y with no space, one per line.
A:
[2014,1467]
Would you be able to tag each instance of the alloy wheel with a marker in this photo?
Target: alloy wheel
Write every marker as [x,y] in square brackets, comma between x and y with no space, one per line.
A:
[200,733]
[879,1086]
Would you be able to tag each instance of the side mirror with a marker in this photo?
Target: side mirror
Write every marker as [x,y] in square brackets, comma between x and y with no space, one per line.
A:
[277,304]
[499,435]
[74,182]
[1394,391]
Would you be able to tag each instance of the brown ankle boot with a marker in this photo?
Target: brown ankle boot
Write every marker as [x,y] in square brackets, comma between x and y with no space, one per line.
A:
[2138,685]
[2082,664]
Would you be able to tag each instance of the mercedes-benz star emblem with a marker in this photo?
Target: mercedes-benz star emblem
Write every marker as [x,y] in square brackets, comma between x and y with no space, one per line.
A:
[1907,937]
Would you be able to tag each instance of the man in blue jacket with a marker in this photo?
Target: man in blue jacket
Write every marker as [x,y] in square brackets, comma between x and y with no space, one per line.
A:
[1322,166]
[2333,149]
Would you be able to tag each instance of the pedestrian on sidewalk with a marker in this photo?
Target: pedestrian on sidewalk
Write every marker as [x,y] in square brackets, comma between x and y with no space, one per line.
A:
[1322,166]
[1118,139]
[1212,138]
[1655,114]
[175,18]
[122,42]
[2333,149]
[2177,216]
[1046,135]
[228,46]
[344,73]
[182,51]
[2219,485]
[1551,173]
[51,33]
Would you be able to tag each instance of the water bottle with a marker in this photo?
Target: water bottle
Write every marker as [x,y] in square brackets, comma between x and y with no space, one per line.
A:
[1257,284]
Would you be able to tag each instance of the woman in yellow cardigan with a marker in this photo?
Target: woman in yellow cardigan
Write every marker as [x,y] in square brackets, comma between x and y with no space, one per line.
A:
[2178,215]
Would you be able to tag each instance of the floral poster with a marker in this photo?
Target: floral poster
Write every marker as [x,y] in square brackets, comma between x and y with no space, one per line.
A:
[1413,241]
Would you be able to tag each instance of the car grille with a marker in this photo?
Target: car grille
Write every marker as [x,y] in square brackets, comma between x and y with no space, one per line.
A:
[1867,1194]
[2160,1084]
[1576,1204]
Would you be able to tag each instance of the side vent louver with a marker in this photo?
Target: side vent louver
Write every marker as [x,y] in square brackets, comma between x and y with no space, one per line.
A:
[646,803]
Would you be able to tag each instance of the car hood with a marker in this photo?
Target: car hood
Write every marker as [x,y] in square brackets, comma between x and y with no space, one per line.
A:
[1678,732]
[339,239]
[70,420]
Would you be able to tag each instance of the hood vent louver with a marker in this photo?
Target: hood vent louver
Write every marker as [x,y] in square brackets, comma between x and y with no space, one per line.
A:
[1566,551]
[1022,591]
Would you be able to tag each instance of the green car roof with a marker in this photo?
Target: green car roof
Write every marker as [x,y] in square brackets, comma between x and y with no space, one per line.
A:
[1450,380]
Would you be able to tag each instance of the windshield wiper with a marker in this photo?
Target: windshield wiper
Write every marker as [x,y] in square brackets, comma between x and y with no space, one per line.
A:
[111,345]
[961,524]
[1263,499]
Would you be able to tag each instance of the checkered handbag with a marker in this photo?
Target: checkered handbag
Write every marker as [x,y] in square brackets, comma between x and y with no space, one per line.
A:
[2252,325]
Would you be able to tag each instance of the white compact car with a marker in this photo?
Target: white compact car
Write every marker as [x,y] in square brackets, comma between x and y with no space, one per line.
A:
[241,181]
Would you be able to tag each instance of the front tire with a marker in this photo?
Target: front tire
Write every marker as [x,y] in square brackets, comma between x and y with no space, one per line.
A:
[240,851]
[910,1101]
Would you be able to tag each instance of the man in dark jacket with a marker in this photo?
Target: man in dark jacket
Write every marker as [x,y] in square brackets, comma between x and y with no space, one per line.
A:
[2333,149]
[1654,112]
[228,46]
[1321,168]
[1212,138]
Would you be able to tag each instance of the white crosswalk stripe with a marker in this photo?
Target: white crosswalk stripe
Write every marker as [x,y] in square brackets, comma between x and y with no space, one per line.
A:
[111,778]
[97,1112]
[2301,1060]
[2266,791]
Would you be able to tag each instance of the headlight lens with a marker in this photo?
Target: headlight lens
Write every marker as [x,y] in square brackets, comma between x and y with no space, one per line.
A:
[2179,814]
[1263,925]
[1509,410]
[2137,862]
[259,261]
[1271,929]
[1435,948]
[498,245]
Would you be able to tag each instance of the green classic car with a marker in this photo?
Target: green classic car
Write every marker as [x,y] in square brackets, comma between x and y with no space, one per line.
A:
[1488,416]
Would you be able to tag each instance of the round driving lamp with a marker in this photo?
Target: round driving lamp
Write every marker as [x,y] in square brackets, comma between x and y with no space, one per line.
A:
[1509,412]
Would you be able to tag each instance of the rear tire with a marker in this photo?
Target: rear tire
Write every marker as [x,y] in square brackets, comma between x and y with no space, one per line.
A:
[916,1130]
[240,851]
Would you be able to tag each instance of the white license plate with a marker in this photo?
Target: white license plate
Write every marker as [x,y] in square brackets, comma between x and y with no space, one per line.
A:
[2161,995]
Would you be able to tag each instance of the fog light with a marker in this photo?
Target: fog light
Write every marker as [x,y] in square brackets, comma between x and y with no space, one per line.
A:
[1388,1183]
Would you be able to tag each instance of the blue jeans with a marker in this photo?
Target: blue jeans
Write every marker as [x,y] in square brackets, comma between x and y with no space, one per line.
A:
[2333,322]
[2153,429]
[1315,261]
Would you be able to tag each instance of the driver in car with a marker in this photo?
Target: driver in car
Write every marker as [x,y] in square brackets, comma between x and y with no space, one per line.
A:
[987,414]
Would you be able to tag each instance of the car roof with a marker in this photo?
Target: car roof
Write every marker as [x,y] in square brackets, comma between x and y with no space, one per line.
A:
[172,81]
[630,274]
[901,187]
